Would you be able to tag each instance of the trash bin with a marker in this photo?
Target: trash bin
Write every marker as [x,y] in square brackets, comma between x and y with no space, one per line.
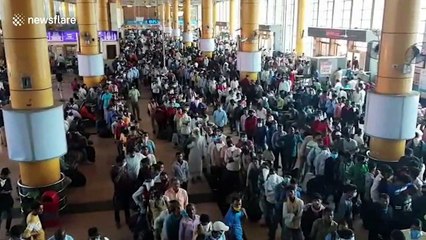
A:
[51,205]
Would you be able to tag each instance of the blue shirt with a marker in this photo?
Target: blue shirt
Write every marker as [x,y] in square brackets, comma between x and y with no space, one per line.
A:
[220,118]
[106,99]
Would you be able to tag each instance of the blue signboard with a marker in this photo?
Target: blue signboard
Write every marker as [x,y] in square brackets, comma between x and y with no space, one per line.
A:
[72,36]
[151,21]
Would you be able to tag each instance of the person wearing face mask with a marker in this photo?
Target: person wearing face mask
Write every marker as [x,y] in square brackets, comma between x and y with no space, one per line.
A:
[148,143]
[232,159]
[220,117]
[250,124]
[218,231]
[292,215]
[234,218]
[260,134]
[344,210]
[311,212]
[6,200]
[94,234]
[323,226]
[216,151]
[379,212]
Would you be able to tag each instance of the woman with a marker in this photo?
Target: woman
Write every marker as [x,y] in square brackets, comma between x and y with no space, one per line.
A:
[6,200]
[197,150]
[189,224]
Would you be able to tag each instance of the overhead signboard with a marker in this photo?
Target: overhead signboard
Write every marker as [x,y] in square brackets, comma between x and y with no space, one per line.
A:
[356,35]
[72,36]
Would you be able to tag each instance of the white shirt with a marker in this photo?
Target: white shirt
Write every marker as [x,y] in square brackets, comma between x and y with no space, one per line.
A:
[271,182]
[261,113]
[151,157]
[133,165]
[234,153]
[284,86]
[234,84]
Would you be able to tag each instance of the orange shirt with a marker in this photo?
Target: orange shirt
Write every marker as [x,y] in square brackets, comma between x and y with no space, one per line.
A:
[181,196]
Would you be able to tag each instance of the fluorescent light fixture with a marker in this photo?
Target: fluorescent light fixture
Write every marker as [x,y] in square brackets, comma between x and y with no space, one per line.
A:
[129,5]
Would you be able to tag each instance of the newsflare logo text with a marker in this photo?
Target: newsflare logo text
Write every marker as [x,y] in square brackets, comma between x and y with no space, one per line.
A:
[19,20]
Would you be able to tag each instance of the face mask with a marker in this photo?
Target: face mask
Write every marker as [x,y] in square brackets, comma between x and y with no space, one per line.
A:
[244,139]
[415,234]
[237,209]
[334,155]
[259,125]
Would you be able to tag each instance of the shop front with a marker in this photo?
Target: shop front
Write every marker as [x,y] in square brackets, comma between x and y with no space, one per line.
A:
[351,43]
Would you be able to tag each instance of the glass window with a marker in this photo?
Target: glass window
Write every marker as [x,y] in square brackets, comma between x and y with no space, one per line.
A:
[58,8]
[379,5]
[270,16]
[422,24]
[338,14]
[72,10]
[361,14]
[315,6]
[289,25]
[347,8]
[264,12]
[279,12]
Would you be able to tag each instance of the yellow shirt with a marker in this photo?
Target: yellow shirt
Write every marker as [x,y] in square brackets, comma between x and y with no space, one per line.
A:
[34,228]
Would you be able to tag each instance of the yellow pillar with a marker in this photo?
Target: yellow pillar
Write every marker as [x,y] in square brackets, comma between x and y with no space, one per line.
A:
[393,84]
[249,57]
[89,43]
[66,6]
[27,56]
[52,8]
[175,19]
[215,17]
[301,15]
[167,21]
[207,44]
[160,13]
[187,33]
[103,16]
[232,18]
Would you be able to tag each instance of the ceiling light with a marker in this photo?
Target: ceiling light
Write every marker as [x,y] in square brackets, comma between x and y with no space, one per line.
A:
[129,5]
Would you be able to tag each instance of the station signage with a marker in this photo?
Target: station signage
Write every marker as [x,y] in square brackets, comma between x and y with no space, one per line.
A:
[72,36]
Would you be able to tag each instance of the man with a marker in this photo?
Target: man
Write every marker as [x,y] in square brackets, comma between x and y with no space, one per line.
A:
[181,170]
[175,192]
[34,229]
[381,213]
[134,96]
[172,223]
[292,215]
[218,231]
[232,159]
[323,226]
[60,234]
[189,224]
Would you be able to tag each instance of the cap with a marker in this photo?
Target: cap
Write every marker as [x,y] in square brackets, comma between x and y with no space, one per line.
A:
[338,134]
[219,226]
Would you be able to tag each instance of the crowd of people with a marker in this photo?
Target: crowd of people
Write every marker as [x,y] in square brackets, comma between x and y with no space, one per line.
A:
[287,150]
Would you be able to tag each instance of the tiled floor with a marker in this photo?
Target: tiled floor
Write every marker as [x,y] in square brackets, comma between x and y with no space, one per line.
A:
[91,205]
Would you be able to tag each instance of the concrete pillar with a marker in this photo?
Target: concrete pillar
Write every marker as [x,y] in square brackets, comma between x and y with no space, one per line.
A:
[167,20]
[175,19]
[187,32]
[90,61]
[207,44]
[33,120]
[66,6]
[391,111]
[301,17]
[249,59]
[103,16]
[233,8]
[52,8]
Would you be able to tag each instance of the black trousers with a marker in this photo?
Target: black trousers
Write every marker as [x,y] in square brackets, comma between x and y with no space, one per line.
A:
[121,202]
[8,213]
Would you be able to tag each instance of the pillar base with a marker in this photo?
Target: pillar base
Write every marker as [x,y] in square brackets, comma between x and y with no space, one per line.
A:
[206,45]
[28,194]
[392,117]
[187,37]
[167,30]
[35,135]
[90,65]
[249,61]
[175,32]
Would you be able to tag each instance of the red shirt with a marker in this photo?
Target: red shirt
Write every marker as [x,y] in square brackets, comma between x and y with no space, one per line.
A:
[250,125]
